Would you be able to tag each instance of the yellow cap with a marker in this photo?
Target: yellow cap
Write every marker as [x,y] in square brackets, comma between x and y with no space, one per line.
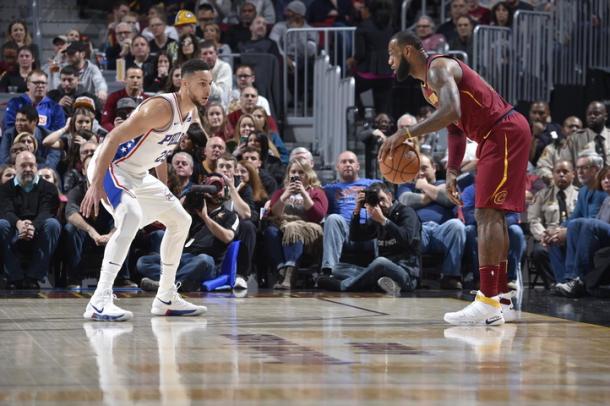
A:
[185,17]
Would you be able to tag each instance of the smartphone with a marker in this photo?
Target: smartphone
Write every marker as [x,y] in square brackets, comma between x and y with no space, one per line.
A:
[294,179]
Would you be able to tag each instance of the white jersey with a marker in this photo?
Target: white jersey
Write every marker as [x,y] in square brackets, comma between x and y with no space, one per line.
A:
[149,150]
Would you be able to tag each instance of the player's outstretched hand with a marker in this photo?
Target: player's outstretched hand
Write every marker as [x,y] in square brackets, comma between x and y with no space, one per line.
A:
[451,185]
[91,201]
[389,144]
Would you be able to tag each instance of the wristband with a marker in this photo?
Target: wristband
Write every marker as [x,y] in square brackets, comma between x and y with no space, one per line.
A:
[408,134]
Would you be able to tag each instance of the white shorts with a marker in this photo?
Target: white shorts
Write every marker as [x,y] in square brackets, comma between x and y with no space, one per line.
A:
[151,194]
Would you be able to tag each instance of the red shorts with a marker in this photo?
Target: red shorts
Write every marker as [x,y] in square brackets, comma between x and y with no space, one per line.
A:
[502,167]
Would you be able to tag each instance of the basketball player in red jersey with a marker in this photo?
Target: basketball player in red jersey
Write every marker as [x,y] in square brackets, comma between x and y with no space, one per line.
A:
[469,107]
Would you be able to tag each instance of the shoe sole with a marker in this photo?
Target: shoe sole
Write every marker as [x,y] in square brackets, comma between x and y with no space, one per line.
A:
[496,321]
[178,313]
[389,286]
[105,317]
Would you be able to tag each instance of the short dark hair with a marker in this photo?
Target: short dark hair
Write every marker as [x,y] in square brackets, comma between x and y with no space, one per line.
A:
[192,66]
[119,3]
[37,72]
[379,186]
[206,7]
[10,45]
[251,149]
[245,65]
[68,70]
[229,157]
[207,44]
[404,38]
[29,111]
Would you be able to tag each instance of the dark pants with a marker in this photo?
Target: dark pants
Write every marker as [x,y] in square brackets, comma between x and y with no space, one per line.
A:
[281,255]
[74,243]
[35,254]
[361,278]
[192,270]
[382,92]
[542,262]
[584,237]
[247,238]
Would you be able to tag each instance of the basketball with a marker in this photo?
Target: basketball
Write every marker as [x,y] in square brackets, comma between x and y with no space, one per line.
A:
[401,165]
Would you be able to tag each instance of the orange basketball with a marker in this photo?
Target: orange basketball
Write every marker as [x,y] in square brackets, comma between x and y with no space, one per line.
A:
[401,165]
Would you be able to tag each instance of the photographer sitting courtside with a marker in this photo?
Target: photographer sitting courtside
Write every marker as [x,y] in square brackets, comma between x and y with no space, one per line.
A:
[398,232]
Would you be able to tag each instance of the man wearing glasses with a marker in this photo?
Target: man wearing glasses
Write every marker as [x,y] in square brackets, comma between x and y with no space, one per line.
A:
[124,35]
[50,114]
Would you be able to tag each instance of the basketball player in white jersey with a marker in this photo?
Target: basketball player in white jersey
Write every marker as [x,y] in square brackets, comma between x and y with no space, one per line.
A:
[119,178]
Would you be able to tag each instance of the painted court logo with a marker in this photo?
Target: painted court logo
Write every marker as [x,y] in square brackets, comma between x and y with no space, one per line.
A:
[500,197]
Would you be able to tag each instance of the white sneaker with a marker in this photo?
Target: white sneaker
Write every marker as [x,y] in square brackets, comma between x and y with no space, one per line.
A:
[482,311]
[509,312]
[388,285]
[102,308]
[240,283]
[172,304]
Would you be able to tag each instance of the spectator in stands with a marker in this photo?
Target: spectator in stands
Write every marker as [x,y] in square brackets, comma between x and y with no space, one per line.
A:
[302,152]
[276,144]
[298,208]
[342,198]
[211,32]
[134,78]
[76,158]
[247,103]
[252,155]
[188,48]
[7,172]
[15,80]
[69,90]
[369,63]
[480,14]
[216,124]
[213,229]
[222,76]
[449,28]
[245,78]
[241,32]
[17,33]
[243,128]
[516,238]
[55,63]
[28,230]
[249,176]
[50,114]
[543,128]
[159,12]
[264,8]
[258,41]
[133,19]
[589,201]
[329,13]
[396,231]
[442,233]
[596,133]
[83,234]
[463,41]
[185,23]
[8,58]
[173,85]
[161,40]
[501,15]
[560,149]
[584,237]
[214,149]
[519,5]
[140,56]
[552,206]
[268,155]
[158,80]
[206,14]
[183,165]
[90,76]
[121,48]
[120,9]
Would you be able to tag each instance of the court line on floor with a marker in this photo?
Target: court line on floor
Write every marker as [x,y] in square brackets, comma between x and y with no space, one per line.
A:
[354,306]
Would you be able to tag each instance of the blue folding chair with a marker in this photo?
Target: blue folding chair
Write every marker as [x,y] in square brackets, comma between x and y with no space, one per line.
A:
[228,270]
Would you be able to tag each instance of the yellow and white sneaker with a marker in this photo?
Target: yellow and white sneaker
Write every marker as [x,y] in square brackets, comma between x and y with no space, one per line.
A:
[484,311]
[509,312]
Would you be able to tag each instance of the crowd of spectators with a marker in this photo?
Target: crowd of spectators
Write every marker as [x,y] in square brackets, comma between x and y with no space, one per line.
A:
[351,234]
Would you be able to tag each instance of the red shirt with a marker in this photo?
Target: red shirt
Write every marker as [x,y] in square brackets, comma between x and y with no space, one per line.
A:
[109,113]
[481,106]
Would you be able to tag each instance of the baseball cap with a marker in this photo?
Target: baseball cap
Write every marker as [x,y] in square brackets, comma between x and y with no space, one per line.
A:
[60,39]
[126,103]
[297,7]
[85,102]
[77,46]
[185,17]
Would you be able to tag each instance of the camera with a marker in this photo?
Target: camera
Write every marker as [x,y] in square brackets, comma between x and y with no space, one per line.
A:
[371,197]
[295,179]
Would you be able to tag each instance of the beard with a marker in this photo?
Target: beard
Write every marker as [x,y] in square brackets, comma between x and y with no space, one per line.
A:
[404,68]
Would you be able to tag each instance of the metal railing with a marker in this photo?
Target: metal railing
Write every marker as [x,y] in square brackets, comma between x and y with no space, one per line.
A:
[332,98]
[531,73]
[492,56]
[581,33]
[299,49]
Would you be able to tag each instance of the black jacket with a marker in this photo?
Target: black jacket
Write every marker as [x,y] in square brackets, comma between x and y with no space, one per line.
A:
[372,48]
[37,205]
